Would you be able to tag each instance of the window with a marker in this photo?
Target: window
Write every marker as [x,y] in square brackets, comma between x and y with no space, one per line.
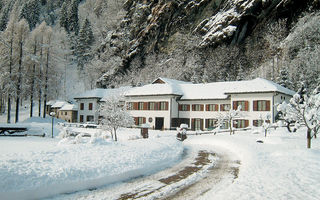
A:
[151,106]
[240,123]
[163,105]
[81,118]
[65,113]
[130,105]
[139,120]
[197,124]
[244,105]
[212,107]
[197,107]
[211,123]
[225,107]
[90,106]
[81,106]
[140,106]
[261,105]
[90,118]
[184,107]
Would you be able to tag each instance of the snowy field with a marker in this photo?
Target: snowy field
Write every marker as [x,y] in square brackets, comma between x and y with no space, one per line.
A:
[280,168]
[35,167]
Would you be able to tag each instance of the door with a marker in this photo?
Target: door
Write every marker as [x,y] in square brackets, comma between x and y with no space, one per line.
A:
[159,123]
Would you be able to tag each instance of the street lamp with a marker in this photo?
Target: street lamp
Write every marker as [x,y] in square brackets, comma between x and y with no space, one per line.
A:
[52,114]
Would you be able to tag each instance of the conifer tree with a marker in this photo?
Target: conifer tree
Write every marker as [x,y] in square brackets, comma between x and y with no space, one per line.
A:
[31,12]
[73,19]
[85,41]
[64,16]
[283,78]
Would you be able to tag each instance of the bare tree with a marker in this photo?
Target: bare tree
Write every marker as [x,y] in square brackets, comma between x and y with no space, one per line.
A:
[114,114]
[304,109]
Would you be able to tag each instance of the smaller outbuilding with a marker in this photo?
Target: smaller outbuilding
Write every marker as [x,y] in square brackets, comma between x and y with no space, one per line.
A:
[69,113]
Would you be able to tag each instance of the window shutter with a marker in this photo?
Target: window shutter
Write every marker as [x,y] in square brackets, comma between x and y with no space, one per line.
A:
[188,107]
[235,105]
[246,123]
[207,123]
[268,106]
[193,107]
[255,105]
[216,107]
[135,105]
[201,123]
[201,107]
[167,105]
[180,107]
[246,105]
[192,124]
[207,107]
[144,120]
[136,121]
[221,107]
[145,105]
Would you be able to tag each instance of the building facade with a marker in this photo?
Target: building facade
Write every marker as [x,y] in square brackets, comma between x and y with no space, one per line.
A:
[167,103]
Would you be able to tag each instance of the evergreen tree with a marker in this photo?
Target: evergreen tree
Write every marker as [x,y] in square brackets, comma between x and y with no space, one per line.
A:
[85,41]
[64,16]
[31,12]
[73,19]
[283,78]
[4,16]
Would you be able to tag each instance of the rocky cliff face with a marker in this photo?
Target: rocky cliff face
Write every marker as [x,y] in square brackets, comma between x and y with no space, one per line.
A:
[157,36]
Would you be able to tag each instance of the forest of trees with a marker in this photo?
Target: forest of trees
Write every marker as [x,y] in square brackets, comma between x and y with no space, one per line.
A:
[52,49]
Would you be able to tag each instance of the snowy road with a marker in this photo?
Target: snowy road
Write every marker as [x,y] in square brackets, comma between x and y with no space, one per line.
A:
[201,170]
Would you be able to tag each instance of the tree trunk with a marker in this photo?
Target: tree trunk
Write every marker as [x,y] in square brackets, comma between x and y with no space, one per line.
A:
[309,138]
[32,81]
[19,81]
[46,86]
[40,81]
[115,134]
[10,79]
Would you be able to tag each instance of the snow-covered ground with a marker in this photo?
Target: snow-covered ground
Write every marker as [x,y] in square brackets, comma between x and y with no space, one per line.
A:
[36,167]
[280,168]
[33,167]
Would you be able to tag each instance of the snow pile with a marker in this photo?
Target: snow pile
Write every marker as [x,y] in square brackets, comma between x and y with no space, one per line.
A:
[47,167]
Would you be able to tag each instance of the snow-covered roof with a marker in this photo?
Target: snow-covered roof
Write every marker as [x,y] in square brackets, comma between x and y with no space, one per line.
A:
[259,85]
[216,90]
[69,107]
[99,93]
[154,89]
[59,104]
[51,102]
[169,81]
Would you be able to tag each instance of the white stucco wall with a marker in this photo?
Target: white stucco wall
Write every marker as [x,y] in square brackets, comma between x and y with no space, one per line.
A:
[85,112]
[172,111]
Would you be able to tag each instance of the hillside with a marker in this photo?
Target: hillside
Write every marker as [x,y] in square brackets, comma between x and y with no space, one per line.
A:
[120,42]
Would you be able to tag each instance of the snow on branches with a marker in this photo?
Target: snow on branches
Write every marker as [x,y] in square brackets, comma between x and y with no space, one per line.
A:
[114,114]
[303,109]
[226,119]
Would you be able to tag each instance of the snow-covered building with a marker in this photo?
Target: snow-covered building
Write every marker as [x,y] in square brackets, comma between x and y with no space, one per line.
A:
[56,106]
[166,103]
[69,113]
[88,103]
[49,106]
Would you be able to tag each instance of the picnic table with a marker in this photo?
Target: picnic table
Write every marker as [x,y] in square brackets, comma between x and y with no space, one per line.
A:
[11,129]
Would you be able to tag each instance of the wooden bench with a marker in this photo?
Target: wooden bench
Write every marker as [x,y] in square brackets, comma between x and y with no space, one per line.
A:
[11,130]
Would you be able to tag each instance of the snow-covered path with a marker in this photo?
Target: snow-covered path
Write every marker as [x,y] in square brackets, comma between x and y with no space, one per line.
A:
[197,173]
[279,168]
